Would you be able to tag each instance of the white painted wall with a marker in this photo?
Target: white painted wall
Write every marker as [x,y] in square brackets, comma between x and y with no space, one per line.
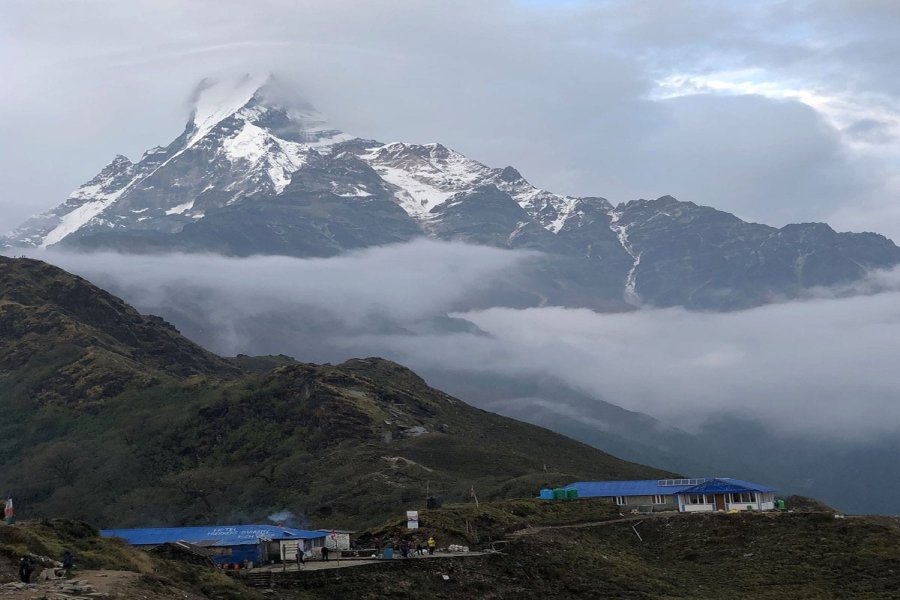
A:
[742,506]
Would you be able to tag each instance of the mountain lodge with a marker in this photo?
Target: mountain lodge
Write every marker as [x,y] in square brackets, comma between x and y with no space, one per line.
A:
[684,495]
[230,544]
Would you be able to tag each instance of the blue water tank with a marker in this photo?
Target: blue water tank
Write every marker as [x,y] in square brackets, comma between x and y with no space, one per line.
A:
[388,553]
[547,494]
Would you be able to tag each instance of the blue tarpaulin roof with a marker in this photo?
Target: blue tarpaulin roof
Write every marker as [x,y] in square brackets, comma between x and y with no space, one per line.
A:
[662,487]
[211,535]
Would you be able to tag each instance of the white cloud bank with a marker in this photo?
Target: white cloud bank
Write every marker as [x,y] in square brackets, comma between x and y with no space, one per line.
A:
[827,364]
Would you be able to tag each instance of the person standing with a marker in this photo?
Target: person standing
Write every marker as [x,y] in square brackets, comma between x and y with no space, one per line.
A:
[68,563]
[301,560]
[431,544]
[325,553]
[25,569]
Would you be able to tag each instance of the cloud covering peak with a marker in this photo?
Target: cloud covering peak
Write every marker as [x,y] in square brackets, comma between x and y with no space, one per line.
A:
[778,112]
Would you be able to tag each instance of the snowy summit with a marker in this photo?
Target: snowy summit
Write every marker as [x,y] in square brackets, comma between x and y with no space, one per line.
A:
[258,170]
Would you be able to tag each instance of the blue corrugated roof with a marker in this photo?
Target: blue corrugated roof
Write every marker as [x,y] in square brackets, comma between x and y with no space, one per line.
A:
[210,535]
[652,487]
[727,485]
[610,489]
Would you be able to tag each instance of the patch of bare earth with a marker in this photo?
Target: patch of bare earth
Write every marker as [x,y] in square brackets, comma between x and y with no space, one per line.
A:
[112,585]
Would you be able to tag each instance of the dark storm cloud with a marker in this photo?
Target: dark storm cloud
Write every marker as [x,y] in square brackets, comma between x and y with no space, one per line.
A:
[567,92]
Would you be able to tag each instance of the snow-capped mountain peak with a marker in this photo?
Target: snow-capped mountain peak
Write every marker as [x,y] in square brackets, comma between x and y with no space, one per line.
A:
[216,100]
[258,170]
[262,100]
[249,137]
[245,136]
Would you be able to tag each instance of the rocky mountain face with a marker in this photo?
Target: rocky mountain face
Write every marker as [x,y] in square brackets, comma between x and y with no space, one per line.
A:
[258,171]
[114,417]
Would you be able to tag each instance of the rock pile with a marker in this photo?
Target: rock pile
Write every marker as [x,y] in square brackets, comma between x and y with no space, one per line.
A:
[63,589]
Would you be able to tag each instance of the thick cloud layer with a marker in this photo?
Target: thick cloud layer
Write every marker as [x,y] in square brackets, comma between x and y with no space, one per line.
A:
[779,111]
[824,365]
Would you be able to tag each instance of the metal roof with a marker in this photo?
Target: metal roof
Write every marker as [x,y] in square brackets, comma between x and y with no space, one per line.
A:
[662,487]
[725,485]
[211,535]
[610,489]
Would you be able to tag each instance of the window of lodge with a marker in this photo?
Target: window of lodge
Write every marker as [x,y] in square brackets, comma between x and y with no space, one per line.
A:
[743,497]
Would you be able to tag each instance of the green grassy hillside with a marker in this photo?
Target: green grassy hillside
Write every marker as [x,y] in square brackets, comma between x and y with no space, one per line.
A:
[124,571]
[113,417]
[583,549]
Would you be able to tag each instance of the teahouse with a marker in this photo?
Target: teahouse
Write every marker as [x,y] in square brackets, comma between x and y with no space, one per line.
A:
[685,495]
[230,544]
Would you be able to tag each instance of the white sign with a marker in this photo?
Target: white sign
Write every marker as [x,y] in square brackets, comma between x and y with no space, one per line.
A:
[412,519]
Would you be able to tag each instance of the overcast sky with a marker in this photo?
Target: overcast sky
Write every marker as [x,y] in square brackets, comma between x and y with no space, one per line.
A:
[777,111]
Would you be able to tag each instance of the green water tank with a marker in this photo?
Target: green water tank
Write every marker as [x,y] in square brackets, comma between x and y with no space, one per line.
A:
[571,494]
[559,493]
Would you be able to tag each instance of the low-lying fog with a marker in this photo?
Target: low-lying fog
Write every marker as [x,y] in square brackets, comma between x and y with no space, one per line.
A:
[824,367]
[825,363]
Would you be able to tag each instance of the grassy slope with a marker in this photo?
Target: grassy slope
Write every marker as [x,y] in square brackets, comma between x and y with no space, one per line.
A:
[113,417]
[701,557]
[159,578]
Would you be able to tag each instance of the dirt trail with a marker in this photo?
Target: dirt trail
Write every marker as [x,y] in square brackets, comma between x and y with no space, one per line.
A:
[319,565]
[629,519]
[640,517]
[123,585]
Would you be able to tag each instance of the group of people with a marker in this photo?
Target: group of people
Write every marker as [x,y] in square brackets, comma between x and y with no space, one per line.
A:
[416,548]
[301,558]
[27,566]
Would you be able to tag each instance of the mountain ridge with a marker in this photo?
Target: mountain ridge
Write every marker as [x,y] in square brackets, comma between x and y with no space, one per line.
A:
[255,172]
[113,417]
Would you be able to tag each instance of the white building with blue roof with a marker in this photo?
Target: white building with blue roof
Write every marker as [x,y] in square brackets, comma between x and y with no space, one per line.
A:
[685,495]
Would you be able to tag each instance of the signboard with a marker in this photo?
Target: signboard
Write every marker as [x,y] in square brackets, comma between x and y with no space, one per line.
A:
[412,519]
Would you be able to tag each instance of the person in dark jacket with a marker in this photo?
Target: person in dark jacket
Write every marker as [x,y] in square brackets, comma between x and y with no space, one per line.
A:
[26,567]
[68,562]
[324,552]
[301,560]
